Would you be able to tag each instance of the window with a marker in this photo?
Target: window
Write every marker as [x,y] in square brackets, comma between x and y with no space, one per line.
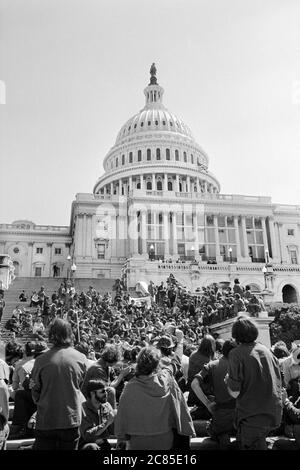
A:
[38,272]
[101,251]
[148,154]
[156,123]
[117,162]
[39,251]
[192,158]
[164,123]
[167,154]
[16,250]
[57,251]
[149,123]
[142,124]
[291,232]
[149,185]
[139,155]
[184,157]
[170,186]
[123,159]
[159,186]
[176,155]
[293,255]
[130,157]
[157,154]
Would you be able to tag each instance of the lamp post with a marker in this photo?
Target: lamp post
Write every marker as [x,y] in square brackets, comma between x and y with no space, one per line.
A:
[230,254]
[73,270]
[267,257]
[264,270]
[193,252]
[69,266]
[151,252]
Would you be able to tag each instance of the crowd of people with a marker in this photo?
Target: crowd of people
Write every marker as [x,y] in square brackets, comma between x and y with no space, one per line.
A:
[101,365]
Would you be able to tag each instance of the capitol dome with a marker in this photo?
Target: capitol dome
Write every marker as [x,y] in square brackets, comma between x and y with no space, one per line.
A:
[156,139]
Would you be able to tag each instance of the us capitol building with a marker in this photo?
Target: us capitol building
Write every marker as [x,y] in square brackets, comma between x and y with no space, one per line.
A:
[156,210]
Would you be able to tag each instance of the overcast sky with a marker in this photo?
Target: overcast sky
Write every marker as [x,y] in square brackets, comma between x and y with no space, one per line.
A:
[75,71]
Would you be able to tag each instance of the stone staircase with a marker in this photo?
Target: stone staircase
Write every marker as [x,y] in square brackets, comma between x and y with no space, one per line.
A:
[51,285]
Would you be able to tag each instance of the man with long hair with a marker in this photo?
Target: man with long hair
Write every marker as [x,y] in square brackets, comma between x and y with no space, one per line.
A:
[254,380]
[57,377]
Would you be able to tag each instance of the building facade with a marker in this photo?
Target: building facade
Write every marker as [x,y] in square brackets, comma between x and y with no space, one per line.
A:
[158,209]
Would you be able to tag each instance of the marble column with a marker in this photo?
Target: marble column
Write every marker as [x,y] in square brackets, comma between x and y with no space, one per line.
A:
[133,233]
[273,240]
[166,233]
[245,240]
[237,238]
[113,234]
[30,254]
[196,237]
[265,238]
[188,184]
[144,232]
[49,245]
[175,248]
[218,256]
[84,237]
[153,182]
[165,182]
[88,234]
[177,184]
[142,182]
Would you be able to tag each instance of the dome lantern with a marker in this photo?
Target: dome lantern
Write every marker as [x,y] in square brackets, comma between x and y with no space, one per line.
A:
[153,92]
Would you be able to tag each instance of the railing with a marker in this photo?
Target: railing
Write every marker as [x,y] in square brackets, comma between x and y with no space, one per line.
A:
[54,228]
[240,267]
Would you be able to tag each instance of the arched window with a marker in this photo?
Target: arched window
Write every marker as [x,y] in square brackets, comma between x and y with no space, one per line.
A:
[123,159]
[157,154]
[176,155]
[148,154]
[159,186]
[130,157]
[117,162]
[192,158]
[167,154]
[139,155]
[170,186]
[149,185]
[138,185]
[184,157]
[180,187]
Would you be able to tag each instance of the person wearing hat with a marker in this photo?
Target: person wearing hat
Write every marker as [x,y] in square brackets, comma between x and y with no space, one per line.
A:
[170,357]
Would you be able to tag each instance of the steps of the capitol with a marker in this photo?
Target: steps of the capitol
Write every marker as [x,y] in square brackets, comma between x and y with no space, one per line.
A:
[51,285]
